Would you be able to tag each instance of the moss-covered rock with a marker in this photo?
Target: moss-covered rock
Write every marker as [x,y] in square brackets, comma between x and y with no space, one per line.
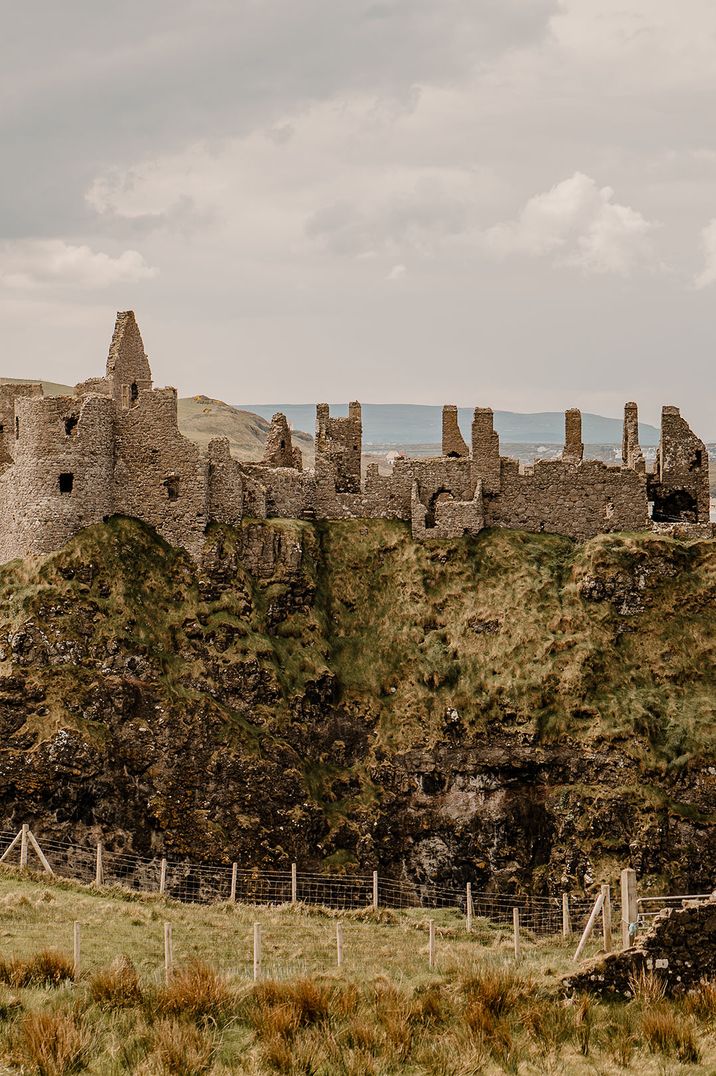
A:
[514,709]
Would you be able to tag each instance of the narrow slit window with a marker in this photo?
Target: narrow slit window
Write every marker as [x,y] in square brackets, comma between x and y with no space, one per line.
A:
[66,482]
[171,485]
[134,392]
[17,427]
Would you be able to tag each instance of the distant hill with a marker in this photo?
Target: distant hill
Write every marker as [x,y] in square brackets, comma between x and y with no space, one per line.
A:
[411,424]
[201,419]
[50,388]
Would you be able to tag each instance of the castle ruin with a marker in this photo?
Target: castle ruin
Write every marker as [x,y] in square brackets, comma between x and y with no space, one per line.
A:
[114,447]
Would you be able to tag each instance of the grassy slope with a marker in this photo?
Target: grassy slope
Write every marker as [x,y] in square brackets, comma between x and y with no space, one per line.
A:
[384,1012]
[598,639]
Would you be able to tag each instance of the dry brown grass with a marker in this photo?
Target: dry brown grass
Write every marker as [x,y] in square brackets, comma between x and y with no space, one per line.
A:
[701,1002]
[50,1044]
[117,986]
[647,987]
[46,968]
[197,992]
[667,1031]
[179,1049]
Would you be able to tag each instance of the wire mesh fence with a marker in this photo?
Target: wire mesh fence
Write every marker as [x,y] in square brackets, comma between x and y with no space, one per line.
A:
[204,884]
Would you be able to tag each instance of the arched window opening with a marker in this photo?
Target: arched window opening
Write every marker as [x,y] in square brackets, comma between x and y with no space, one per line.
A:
[70,424]
[171,484]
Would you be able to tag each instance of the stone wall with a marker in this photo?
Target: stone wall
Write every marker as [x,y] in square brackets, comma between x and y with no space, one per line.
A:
[679,487]
[61,480]
[115,447]
[160,476]
[680,949]
[338,448]
[576,499]
[453,443]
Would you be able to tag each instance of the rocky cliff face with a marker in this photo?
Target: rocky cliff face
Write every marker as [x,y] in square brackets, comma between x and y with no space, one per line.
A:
[514,709]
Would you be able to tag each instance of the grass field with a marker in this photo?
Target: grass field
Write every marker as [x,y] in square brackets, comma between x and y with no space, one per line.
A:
[383,1011]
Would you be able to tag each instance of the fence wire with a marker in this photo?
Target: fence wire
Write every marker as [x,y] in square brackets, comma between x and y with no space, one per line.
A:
[206,884]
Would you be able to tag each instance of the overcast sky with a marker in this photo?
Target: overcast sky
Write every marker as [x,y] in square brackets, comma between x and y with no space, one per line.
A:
[497,202]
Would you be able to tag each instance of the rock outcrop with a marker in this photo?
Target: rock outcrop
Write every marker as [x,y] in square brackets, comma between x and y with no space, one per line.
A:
[515,710]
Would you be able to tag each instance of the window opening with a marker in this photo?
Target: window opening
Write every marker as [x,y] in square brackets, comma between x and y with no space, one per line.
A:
[17,427]
[70,424]
[171,484]
[134,392]
[67,481]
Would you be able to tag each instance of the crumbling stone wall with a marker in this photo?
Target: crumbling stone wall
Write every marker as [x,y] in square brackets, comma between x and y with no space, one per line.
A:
[632,455]
[225,484]
[453,443]
[160,476]
[338,448]
[485,450]
[679,487]
[573,447]
[61,478]
[279,450]
[128,370]
[9,395]
[680,949]
[579,500]
[115,447]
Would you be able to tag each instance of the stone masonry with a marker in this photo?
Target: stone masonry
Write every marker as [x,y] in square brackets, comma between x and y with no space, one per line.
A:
[114,447]
[679,949]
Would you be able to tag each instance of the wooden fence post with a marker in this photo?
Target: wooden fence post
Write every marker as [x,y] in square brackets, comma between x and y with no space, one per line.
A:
[294,883]
[234,878]
[39,853]
[11,846]
[630,908]
[375,889]
[339,944]
[516,932]
[99,867]
[468,905]
[23,846]
[257,951]
[168,952]
[163,876]
[431,943]
[566,917]
[590,924]
[76,949]
[607,918]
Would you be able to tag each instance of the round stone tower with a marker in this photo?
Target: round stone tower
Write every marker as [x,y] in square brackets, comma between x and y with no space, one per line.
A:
[62,477]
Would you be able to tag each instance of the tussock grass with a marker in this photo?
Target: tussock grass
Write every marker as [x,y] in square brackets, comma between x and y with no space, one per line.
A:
[46,968]
[50,1044]
[197,992]
[117,986]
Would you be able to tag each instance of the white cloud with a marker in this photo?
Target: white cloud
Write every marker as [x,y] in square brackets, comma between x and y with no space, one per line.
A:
[707,276]
[396,272]
[579,224]
[33,263]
